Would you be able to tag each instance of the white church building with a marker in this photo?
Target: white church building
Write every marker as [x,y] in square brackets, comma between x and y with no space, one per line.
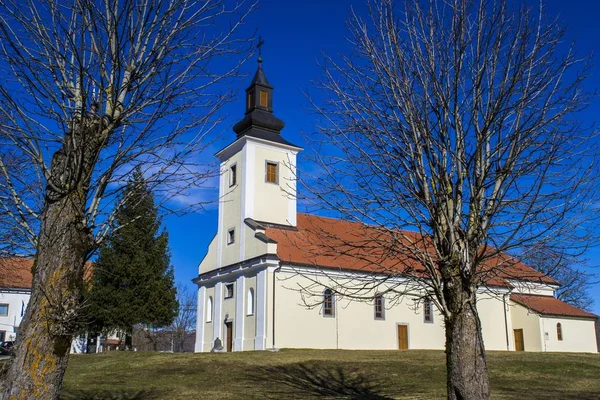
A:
[251,280]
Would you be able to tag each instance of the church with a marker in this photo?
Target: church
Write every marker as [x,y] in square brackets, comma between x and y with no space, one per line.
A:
[266,281]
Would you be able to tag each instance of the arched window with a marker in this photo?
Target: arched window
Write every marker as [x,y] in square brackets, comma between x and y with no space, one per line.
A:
[427,310]
[379,310]
[250,304]
[209,309]
[328,303]
[559,331]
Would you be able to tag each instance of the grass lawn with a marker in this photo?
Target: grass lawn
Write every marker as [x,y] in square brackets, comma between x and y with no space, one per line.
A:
[300,374]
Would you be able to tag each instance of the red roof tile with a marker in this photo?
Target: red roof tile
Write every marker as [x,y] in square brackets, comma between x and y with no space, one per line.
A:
[333,243]
[15,272]
[548,305]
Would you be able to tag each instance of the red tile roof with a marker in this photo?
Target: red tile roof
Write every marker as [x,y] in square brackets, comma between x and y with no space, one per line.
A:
[333,243]
[547,305]
[15,272]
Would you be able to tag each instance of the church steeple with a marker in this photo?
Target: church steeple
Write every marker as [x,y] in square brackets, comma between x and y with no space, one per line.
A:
[259,120]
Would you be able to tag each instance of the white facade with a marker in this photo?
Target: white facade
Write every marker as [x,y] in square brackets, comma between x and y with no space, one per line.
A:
[541,333]
[16,300]
[291,324]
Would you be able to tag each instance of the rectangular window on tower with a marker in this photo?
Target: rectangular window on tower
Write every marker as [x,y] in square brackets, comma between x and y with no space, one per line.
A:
[272,172]
[231,236]
[264,99]
[232,175]
[228,290]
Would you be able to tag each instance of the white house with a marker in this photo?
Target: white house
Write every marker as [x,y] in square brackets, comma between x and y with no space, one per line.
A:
[252,281]
[15,290]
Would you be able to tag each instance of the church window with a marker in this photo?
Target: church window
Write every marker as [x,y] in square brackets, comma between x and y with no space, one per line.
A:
[2,336]
[233,175]
[379,310]
[559,331]
[231,236]
[3,310]
[209,309]
[250,305]
[229,290]
[328,303]
[264,99]
[427,310]
[272,172]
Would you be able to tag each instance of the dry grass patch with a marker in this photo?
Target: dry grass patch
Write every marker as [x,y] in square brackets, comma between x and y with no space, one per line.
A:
[304,374]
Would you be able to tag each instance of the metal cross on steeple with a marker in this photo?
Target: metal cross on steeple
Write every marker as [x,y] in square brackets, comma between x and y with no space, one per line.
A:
[259,47]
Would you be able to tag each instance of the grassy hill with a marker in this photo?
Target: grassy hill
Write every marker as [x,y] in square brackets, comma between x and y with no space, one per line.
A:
[300,374]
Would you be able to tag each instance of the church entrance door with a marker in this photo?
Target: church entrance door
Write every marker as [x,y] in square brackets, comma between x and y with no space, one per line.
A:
[229,326]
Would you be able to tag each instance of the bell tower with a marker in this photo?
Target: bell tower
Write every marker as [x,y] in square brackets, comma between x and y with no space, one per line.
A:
[258,173]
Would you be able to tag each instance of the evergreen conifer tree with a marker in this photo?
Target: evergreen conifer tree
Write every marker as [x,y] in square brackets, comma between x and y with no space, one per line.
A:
[133,281]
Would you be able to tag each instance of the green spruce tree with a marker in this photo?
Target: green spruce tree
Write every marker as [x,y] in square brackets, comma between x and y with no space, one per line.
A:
[133,281]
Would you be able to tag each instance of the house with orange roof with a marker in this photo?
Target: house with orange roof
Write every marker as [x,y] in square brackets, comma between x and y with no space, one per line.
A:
[270,276]
[15,291]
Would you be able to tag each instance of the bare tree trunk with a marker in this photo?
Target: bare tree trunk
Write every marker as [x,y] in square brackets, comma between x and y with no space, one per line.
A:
[64,243]
[466,367]
[41,361]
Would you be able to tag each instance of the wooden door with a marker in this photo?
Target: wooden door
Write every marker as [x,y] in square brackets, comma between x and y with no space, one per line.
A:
[403,337]
[519,342]
[229,326]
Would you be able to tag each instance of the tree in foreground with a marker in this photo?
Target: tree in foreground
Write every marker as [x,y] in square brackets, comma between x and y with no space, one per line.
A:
[453,118]
[132,280]
[90,90]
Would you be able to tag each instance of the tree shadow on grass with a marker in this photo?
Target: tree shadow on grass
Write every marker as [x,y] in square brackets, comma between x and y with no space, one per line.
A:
[312,380]
[99,394]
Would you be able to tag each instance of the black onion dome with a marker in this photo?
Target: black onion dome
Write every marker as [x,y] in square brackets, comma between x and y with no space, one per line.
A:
[259,121]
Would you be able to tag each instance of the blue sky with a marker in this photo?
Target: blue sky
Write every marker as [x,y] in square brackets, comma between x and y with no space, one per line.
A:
[296,34]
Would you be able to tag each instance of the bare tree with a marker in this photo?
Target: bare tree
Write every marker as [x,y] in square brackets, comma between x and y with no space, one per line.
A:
[449,131]
[185,322]
[91,90]
[567,269]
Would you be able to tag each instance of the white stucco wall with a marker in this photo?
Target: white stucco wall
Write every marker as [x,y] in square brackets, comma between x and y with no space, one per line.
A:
[253,247]
[15,300]
[274,202]
[522,318]
[536,288]
[490,306]
[208,326]
[578,334]
[354,325]
[230,210]
[209,262]
[249,320]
